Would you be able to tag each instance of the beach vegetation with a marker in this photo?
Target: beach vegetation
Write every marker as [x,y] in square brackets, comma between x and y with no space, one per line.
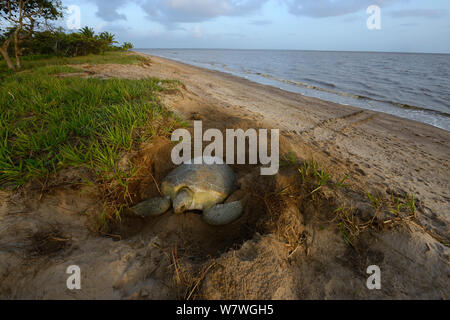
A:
[288,159]
[320,193]
[315,177]
[375,201]
[411,203]
[48,122]
[22,17]
[127,46]
[23,33]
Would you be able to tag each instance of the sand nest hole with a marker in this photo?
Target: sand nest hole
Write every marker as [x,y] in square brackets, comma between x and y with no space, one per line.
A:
[188,232]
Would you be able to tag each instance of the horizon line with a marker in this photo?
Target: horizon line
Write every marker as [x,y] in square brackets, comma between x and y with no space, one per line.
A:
[304,50]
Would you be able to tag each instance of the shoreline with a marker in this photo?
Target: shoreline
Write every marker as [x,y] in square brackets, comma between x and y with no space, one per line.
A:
[280,91]
[385,149]
[398,108]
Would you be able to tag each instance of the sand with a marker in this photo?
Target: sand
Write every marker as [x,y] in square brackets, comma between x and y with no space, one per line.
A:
[283,247]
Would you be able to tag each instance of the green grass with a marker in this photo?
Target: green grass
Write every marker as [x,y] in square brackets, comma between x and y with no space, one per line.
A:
[375,201]
[312,174]
[49,123]
[32,62]
[395,205]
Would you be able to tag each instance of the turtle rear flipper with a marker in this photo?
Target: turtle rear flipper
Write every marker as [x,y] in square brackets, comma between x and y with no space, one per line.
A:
[152,208]
[222,214]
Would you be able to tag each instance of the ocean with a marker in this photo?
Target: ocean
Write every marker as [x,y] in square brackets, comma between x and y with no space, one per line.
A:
[408,85]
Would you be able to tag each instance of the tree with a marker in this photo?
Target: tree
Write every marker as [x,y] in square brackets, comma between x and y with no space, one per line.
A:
[87,32]
[23,16]
[6,33]
[108,37]
[106,40]
[127,46]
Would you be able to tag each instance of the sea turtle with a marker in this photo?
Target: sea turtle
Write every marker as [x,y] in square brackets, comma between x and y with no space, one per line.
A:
[197,187]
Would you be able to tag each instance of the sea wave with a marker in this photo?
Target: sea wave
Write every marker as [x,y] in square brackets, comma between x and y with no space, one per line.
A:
[354,96]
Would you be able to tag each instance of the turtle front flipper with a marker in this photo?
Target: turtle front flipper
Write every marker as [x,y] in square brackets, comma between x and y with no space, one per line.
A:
[152,208]
[222,214]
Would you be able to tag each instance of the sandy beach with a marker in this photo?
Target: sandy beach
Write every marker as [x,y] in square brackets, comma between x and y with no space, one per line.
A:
[384,151]
[283,247]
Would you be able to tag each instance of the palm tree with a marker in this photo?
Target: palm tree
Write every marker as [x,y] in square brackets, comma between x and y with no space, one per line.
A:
[87,32]
[127,46]
[108,37]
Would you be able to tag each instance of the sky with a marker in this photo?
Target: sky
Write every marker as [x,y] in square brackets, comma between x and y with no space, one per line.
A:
[340,25]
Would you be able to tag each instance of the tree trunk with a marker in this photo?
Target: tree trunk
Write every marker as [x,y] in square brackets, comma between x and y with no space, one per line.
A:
[16,46]
[4,52]
[18,60]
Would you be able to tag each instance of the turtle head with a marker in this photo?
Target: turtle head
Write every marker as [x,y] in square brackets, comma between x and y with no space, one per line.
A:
[183,201]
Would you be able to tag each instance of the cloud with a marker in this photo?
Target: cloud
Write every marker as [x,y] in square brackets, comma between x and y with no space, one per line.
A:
[419,13]
[351,18]
[412,24]
[197,31]
[107,10]
[261,22]
[171,12]
[189,11]
[333,8]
